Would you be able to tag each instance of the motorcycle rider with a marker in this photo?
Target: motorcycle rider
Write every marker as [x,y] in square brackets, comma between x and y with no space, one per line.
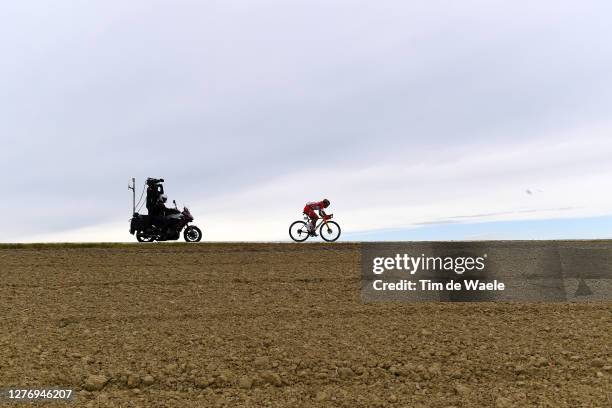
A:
[310,209]
[161,213]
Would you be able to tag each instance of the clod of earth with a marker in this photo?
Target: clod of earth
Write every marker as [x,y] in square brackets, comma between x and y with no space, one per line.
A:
[95,382]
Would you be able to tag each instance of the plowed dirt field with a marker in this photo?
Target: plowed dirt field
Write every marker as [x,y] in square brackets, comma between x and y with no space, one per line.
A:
[278,325]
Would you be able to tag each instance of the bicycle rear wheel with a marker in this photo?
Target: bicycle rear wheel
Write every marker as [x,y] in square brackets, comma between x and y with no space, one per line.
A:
[330,231]
[298,231]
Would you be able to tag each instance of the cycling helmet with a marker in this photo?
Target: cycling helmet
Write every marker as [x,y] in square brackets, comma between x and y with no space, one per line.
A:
[325,202]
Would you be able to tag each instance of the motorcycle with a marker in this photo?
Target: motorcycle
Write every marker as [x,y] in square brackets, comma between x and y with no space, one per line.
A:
[169,227]
[147,231]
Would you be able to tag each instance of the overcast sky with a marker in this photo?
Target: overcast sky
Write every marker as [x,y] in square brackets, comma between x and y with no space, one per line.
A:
[407,115]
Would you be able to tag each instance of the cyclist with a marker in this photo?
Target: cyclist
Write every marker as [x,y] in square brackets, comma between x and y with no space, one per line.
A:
[310,209]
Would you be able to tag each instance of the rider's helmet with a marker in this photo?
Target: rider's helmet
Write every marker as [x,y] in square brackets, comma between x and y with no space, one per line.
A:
[325,202]
[163,198]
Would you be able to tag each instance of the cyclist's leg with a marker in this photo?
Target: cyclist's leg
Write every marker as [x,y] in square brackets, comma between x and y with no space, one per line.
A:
[313,219]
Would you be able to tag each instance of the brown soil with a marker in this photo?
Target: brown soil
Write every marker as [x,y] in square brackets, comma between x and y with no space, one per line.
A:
[278,325]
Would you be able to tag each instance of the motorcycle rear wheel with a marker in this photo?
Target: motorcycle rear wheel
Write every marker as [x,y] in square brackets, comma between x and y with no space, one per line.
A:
[142,237]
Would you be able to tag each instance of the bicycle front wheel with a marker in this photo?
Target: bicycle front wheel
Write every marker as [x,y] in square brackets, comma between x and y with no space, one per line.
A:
[298,231]
[330,231]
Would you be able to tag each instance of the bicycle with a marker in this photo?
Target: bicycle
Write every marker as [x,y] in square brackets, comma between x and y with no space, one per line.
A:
[328,230]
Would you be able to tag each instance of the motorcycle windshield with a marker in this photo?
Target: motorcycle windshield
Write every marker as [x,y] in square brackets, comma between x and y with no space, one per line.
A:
[187,213]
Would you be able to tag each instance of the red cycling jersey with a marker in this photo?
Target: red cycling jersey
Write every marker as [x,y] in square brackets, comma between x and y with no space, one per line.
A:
[312,207]
[316,205]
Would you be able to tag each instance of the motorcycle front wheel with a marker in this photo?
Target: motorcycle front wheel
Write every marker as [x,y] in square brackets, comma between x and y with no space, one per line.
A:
[192,234]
